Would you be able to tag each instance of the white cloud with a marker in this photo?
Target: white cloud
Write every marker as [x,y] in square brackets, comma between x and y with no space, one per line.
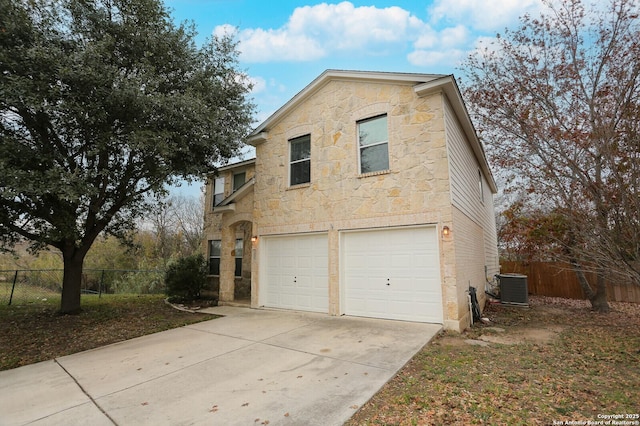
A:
[258,45]
[224,30]
[454,36]
[259,84]
[266,45]
[428,39]
[317,31]
[432,58]
[456,27]
[314,32]
[437,48]
[345,26]
[481,14]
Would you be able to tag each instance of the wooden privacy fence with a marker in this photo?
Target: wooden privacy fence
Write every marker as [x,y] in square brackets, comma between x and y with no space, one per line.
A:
[557,279]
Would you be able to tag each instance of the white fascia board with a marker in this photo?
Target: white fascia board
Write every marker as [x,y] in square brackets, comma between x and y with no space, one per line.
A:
[225,209]
[232,166]
[260,133]
[228,204]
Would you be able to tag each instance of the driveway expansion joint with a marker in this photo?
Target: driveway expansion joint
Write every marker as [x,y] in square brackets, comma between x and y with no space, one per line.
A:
[93,401]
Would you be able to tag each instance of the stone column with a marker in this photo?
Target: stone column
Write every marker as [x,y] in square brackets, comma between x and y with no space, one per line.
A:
[227,263]
[254,268]
[334,272]
[246,259]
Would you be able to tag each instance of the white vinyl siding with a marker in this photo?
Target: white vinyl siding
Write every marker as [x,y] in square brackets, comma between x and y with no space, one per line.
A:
[466,182]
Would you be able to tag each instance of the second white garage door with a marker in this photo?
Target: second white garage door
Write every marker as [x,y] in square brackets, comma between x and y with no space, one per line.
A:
[295,272]
[392,273]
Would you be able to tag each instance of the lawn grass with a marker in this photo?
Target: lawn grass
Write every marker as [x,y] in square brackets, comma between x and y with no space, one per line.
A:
[33,332]
[562,363]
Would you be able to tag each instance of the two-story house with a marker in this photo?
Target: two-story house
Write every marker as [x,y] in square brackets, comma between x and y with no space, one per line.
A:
[370,195]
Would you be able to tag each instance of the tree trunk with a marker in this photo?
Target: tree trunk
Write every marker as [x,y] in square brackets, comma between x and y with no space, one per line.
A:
[597,298]
[71,281]
[582,280]
[599,301]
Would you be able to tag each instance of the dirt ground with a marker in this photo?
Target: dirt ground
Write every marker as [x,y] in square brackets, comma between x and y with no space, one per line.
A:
[555,361]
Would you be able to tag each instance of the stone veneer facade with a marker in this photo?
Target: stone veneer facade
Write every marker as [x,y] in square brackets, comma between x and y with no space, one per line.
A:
[416,190]
[227,226]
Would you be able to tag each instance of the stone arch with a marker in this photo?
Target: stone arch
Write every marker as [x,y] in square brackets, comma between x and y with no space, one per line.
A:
[234,288]
[234,219]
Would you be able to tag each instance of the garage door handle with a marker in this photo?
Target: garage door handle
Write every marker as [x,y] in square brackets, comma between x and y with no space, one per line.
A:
[388,283]
[295,279]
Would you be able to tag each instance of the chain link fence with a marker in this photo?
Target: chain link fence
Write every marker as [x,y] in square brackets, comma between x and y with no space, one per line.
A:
[42,285]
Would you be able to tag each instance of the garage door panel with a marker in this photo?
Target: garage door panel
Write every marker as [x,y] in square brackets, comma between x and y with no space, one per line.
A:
[296,272]
[377,305]
[408,258]
[402,285]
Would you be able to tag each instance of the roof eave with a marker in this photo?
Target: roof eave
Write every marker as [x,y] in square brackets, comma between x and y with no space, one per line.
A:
[227,203]
[260,133]
[449,87]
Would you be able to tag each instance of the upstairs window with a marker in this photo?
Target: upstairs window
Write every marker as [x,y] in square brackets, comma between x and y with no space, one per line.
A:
[373,142]
[218,191]
[238,180]
[300,160]
[480,186]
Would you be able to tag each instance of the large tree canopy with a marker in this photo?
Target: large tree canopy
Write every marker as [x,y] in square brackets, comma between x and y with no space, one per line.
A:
[101,103]
[557,101]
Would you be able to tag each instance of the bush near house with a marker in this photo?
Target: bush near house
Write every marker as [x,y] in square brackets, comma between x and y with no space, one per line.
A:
[185,278]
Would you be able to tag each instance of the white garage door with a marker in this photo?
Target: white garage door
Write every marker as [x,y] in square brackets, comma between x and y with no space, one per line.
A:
[392,273]
[295,272]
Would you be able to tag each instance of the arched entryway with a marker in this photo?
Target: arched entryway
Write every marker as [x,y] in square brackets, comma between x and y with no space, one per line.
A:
[235,263]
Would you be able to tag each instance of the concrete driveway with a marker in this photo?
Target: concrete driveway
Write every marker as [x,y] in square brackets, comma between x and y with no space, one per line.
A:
[252,367]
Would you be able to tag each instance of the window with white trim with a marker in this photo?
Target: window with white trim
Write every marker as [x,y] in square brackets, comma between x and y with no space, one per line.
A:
[300,160]
[215,248]
[218,191]
[373,144]
[480,185]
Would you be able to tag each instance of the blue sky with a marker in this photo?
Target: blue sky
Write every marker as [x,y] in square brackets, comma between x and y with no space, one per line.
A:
[285,44]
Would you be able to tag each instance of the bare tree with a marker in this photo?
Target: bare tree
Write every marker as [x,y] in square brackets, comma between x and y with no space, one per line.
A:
[557,103]
[188,213]
[163,225]
[177,227]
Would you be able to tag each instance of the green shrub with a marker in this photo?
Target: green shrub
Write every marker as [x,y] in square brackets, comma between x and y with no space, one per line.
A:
[185,277]
[139,282]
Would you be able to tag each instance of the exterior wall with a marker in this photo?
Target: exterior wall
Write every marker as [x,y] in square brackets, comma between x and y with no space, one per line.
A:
[474,226]
[432,180]
[227,173]
[416,184]
[237,222]
[415,190]
[470,260]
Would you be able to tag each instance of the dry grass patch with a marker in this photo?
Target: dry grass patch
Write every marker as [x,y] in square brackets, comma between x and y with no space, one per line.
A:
[555,361]
[31,333]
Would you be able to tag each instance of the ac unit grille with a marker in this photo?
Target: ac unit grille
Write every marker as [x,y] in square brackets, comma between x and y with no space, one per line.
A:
[513,289]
